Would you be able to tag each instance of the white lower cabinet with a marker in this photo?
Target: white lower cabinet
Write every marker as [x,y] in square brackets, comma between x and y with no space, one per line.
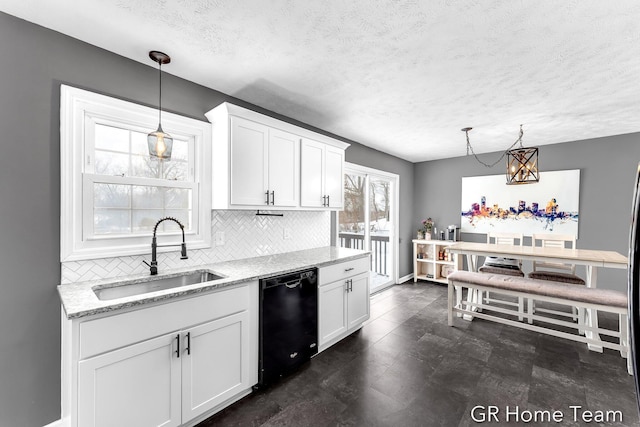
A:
[136,385]
[343,300]
[358,301]
[332,311]
[213,371]
[205,357]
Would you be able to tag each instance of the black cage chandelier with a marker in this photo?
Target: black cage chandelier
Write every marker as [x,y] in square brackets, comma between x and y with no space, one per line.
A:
[522,163]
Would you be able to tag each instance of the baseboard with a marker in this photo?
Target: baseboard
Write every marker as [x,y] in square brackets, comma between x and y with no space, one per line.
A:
[57,423]
[405,278]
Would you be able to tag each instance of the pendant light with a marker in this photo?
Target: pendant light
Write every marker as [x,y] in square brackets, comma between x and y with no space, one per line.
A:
[522,163]
[160,143]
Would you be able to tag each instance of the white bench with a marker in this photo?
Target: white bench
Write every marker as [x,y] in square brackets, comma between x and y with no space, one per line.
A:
[589,299]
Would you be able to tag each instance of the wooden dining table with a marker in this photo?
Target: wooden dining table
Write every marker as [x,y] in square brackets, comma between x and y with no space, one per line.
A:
[591,259]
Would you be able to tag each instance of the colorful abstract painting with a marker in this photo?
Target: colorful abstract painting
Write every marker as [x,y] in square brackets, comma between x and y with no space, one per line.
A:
[549,206]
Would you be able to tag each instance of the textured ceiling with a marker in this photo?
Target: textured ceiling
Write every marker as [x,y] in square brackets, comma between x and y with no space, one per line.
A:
[399,76]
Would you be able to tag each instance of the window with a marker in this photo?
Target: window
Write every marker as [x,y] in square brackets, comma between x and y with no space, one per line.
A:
[113,192]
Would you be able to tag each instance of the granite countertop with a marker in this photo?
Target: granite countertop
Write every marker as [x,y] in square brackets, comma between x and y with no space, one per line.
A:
[79,300]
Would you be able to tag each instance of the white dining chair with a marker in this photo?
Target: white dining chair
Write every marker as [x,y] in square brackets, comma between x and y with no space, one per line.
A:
[499,265]
[555,271]
[508,266]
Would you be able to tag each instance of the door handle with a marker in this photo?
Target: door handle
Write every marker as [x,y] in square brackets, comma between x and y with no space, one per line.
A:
[324,200]
[267,194]
[346,286]
[328,201]
[189,343]
[178,346]
[273,197]
[350,285]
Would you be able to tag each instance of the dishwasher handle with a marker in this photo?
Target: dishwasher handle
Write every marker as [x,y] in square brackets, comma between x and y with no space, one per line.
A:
[292,284]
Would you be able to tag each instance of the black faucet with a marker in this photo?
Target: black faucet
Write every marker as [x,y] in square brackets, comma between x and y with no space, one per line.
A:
[154,245]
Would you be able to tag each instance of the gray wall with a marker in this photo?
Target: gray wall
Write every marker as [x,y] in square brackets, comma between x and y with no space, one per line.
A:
[607,172]
[35,61]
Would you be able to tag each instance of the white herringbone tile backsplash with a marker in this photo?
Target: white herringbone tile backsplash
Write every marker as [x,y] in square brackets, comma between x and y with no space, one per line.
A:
[246,235]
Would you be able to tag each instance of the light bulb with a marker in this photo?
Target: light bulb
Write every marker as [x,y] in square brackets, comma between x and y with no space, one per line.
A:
[161,147]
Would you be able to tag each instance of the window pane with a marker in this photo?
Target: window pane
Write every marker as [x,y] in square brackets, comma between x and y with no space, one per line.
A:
[177,198]
[111,138]
[111,221]
[144,166]
[112,164]
[351,219]
[111,196]
[184,216]
[176,170]
[180,150]
[139,143]
[147,197]
[145,219]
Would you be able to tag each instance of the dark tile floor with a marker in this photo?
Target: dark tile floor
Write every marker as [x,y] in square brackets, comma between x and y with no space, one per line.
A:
[407,367]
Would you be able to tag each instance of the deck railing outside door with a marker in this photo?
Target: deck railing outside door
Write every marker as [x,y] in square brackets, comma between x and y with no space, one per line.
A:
[378,249]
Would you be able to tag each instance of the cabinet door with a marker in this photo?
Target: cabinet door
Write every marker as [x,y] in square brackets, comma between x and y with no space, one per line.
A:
[248,162]
[311,173]
[137,385]
[334,176]
[283,167]
[332,311]
[217,364]
[358,300]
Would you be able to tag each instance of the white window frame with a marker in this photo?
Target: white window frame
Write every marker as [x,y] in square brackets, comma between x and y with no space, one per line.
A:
[80,110]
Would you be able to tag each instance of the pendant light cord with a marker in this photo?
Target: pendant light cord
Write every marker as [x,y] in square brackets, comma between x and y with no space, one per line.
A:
[160,91]
[470,148]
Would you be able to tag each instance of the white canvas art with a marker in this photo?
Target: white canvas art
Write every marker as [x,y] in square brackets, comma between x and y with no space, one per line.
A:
[549,206]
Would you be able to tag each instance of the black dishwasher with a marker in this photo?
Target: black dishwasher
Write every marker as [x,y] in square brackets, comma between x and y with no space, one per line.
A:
[288,323]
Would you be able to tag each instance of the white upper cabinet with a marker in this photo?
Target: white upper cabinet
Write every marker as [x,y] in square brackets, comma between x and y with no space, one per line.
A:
[284,168]
[321,176]
[334,177]
[312,167]
[264,165]
[258,163]
[249,178]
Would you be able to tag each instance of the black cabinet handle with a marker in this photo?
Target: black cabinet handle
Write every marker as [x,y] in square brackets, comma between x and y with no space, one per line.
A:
[328,202]
[273,197]
[324,200]
[348,269]
[267,194]
[189,343]
[348,285]
[178,346]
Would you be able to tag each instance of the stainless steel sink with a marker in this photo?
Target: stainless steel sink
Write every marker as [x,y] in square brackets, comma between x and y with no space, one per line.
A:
[153,284]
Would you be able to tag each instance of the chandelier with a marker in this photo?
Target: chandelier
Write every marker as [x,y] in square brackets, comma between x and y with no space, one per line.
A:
[522,163]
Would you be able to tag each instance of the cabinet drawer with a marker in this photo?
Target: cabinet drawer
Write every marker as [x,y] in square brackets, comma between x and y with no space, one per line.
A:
[343,270]
[108,333]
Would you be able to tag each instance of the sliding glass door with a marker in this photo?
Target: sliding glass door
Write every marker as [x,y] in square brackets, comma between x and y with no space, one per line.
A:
[368,220]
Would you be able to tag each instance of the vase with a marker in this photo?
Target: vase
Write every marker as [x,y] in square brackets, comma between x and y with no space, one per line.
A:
[420,235]
[427,236]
